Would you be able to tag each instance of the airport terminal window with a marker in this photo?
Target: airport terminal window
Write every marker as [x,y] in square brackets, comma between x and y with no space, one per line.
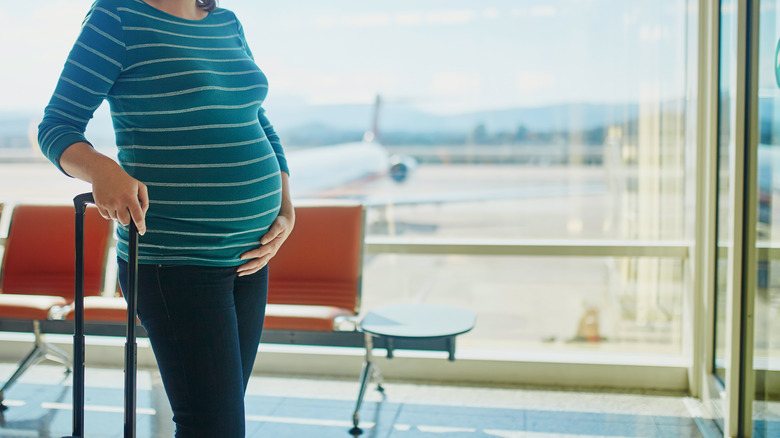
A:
[505,120]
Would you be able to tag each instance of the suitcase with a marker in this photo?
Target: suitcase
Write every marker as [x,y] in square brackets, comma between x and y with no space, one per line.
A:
[80,202]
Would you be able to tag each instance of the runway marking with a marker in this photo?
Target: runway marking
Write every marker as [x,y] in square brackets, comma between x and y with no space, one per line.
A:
[515,434]
[10,403]
[307,421]
[97,408]
[445,429]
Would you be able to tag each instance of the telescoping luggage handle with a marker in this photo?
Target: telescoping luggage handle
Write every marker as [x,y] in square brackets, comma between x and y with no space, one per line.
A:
[131,354]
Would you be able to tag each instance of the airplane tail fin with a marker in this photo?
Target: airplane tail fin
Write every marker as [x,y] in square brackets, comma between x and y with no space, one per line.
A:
[373,134]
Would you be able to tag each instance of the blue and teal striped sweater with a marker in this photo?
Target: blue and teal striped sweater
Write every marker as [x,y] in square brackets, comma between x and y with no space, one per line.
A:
[185,101]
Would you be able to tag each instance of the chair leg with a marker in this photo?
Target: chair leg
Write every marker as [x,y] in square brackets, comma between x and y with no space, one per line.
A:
[50,351]
[40,351]
[34,356]
[55,354]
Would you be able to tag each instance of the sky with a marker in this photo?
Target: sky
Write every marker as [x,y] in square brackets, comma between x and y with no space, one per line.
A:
[444,56]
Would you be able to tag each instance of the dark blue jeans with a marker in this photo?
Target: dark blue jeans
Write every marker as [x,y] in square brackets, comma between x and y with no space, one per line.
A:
[204,324]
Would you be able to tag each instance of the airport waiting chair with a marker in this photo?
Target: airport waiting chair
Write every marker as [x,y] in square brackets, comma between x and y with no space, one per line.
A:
[38,271]
[315,278]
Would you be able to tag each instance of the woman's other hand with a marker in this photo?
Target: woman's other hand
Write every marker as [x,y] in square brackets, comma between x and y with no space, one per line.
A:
[118,196]
[273,239]
[271,242]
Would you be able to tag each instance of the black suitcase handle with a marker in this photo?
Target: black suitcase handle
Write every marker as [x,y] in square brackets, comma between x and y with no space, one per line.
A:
[80,202]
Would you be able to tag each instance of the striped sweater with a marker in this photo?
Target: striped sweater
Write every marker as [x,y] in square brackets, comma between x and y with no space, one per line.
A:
[185,98]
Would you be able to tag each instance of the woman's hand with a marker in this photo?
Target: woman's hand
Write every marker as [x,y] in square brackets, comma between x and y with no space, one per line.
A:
[271,242]
[273,239]
[118,196]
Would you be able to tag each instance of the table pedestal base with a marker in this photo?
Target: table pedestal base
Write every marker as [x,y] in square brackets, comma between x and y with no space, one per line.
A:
[407,323]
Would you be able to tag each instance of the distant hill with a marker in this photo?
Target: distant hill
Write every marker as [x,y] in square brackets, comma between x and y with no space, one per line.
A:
[348,122]
[302,125]
[573,116]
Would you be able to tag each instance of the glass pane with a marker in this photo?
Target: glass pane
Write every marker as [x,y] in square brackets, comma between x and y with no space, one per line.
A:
[766,353]
[558,119]
[626,305]
[726,120]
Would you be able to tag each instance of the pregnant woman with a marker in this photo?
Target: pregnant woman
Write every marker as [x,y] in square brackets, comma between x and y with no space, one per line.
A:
[201,172]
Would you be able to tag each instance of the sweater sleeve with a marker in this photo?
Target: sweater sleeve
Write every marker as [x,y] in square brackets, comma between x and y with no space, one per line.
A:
[273,138]
[94,63]
[268,128]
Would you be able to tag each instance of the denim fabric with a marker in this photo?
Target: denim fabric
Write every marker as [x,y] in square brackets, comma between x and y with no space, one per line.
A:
[204,324]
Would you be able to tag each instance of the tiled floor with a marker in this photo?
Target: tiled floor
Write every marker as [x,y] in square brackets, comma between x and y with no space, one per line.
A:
[39,406]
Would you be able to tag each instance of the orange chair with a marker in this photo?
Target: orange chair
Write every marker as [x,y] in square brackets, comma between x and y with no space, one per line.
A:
[315,278]
[38,271]
[102,309]
[99,309]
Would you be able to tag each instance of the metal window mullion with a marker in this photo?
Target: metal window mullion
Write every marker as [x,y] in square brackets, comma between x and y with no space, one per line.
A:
[703,254]
[750,253]
[738,221]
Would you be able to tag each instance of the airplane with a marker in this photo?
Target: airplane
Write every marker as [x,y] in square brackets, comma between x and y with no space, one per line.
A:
[325,169]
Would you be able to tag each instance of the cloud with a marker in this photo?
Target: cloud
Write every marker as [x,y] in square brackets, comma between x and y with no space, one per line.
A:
[456,16]
[491,13]
[317,87]
[630,18]
[325,21]
[544,11]
[650,33]
[536,11]
[407,18]
[533,81]
[367,20]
